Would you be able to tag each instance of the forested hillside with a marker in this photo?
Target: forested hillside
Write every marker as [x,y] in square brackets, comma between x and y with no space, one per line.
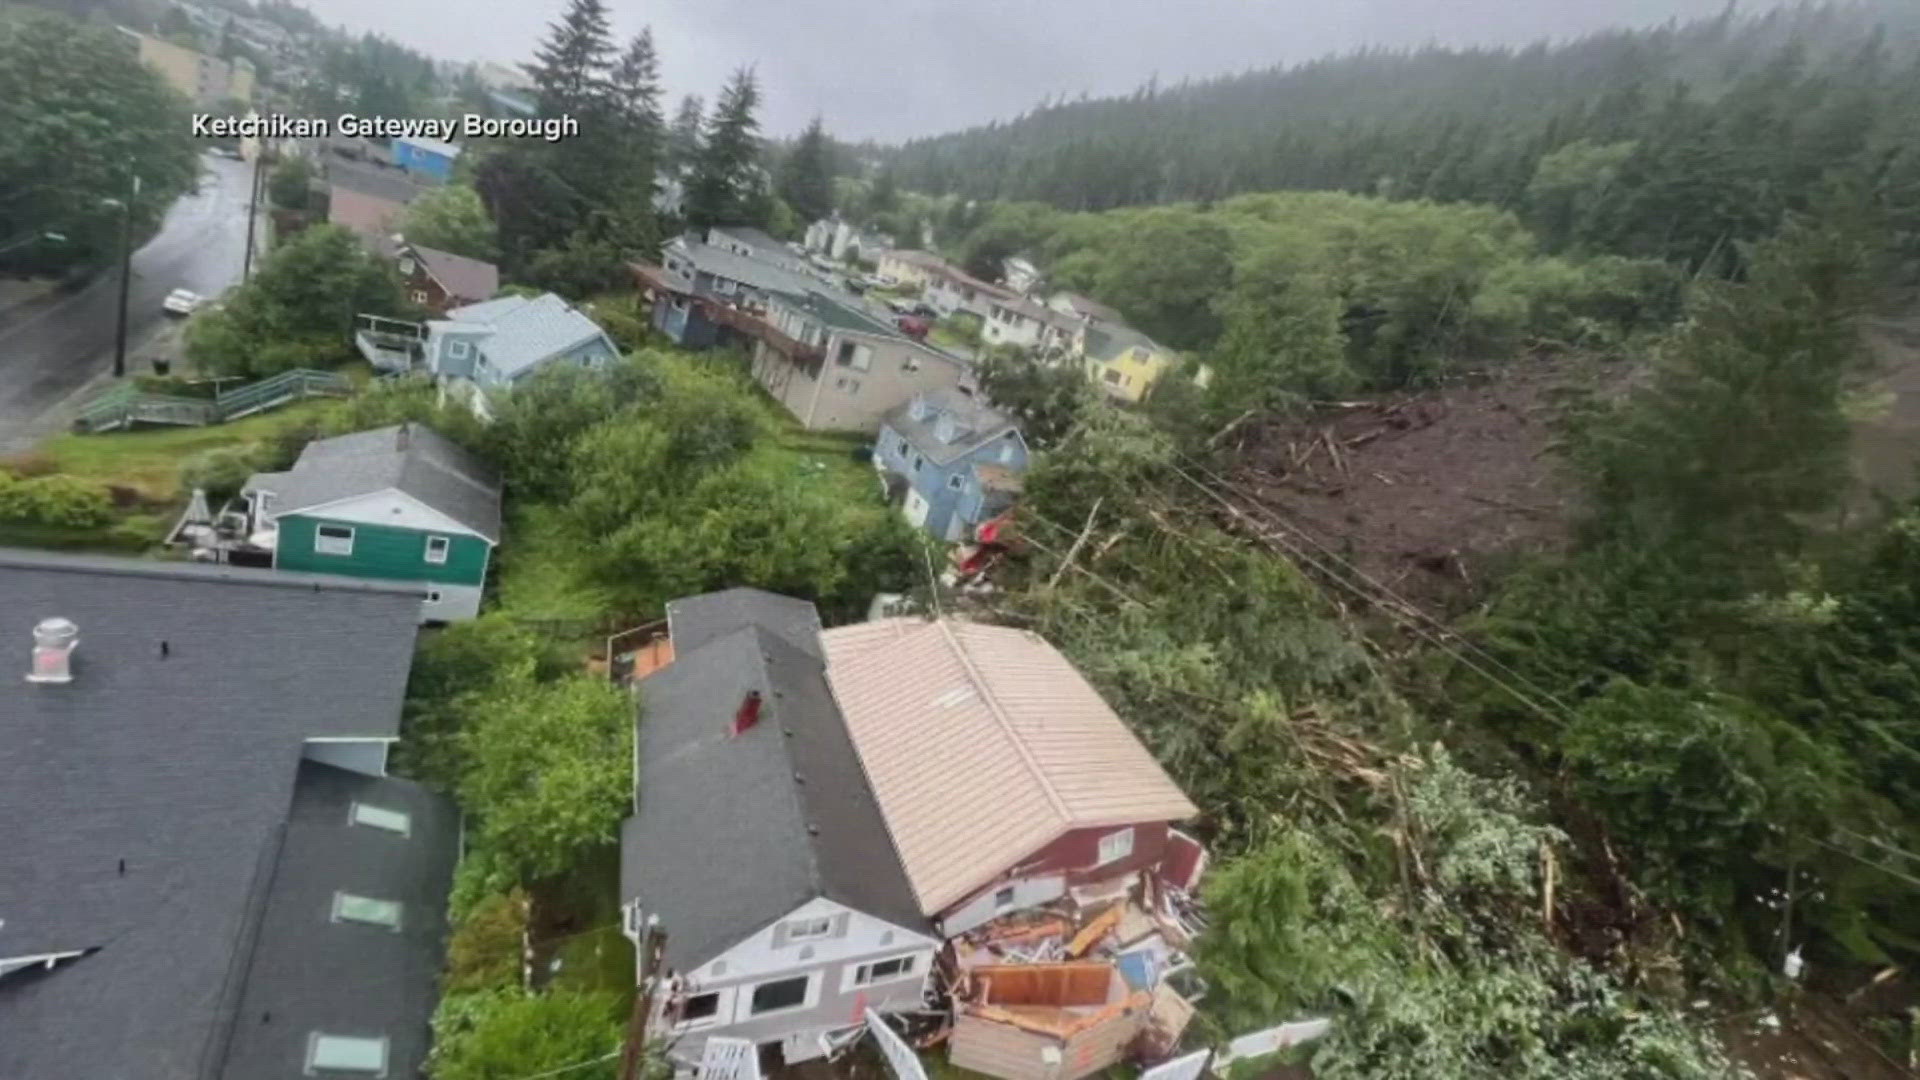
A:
[1669,143]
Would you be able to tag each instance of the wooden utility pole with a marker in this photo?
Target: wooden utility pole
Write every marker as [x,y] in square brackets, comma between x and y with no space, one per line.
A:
[634,1054]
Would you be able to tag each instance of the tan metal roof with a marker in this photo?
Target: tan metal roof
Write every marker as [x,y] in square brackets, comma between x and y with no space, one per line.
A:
[983,745]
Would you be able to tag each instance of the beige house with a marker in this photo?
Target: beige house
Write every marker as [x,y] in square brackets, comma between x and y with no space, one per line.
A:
[205,80]
[909,267]
[837,369]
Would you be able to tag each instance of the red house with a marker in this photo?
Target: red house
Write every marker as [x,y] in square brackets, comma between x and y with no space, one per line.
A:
[1006,781]
[440,280]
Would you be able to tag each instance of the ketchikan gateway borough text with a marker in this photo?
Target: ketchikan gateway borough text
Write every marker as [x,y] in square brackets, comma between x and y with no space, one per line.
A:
[471,126]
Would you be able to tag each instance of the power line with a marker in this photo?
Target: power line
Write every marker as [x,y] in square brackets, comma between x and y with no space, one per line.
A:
[1864,861]
[569,1068]
[1408,605]
[1303,556]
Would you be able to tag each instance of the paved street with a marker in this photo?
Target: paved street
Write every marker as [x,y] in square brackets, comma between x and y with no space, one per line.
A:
[52,347]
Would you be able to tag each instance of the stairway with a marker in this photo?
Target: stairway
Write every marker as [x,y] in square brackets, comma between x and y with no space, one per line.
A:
[126,406]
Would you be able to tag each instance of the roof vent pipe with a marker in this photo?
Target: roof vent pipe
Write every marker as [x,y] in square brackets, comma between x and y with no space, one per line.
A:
[53,642]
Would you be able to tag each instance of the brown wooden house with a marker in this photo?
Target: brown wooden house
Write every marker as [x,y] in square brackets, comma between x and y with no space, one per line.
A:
[440,280]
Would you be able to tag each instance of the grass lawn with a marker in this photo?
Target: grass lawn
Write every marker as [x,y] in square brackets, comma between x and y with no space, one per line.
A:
[585,908]
[540,577]
[149,460]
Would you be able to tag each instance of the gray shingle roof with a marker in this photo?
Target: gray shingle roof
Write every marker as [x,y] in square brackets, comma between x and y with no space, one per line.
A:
[1107,342]
[384,182]
[752,237]
[528,331]
[976,423]
[423,464]
[693,621]
[753,273]
[140,800]
[461,277]
[309,973]
[733,833]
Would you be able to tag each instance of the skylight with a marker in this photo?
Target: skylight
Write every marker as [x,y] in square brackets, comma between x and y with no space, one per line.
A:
[365,909]
[347,1054]
[379,817]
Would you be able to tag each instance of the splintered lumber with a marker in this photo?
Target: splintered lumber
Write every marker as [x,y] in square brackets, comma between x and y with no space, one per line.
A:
[1100,927]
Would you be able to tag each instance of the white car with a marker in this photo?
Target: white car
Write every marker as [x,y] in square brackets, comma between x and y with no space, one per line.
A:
[180,302]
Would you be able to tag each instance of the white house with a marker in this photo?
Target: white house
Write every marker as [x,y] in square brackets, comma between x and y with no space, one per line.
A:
[757,859]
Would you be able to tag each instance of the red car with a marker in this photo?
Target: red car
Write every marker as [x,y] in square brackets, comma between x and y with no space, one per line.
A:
[914,326]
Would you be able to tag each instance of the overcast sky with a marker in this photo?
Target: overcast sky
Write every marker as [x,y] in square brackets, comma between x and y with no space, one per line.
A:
[893,69]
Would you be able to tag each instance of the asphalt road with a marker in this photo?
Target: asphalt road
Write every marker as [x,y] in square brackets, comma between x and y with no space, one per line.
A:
[52,347]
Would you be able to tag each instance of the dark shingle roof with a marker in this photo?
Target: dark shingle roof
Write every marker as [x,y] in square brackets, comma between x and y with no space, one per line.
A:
[693,621]
[383,182]
[753,238]
[977,423]
[461,277]
[310,973]
[733,833]
[142,799]
[423,464]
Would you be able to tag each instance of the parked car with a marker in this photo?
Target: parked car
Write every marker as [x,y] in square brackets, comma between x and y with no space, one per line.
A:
[914,326]
[180,302]
[924,310]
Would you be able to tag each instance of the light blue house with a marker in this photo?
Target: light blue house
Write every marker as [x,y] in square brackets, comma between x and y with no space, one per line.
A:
[958,461]
[431,157]
[490,346]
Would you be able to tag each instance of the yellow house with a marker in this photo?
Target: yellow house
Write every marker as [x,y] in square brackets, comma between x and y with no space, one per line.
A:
[205,80]
[909,267]
[1122,361]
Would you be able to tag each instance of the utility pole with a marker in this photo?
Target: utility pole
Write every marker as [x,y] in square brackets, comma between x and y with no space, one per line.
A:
[126,281]
[253,206]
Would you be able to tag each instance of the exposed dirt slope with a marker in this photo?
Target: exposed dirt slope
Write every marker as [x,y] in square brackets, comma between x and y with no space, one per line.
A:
[1422,492]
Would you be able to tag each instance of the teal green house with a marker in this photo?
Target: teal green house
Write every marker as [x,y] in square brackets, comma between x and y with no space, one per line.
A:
[397,503]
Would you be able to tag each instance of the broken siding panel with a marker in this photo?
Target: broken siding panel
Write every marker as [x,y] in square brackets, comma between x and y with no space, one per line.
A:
[1001,1050]
[1103,1044]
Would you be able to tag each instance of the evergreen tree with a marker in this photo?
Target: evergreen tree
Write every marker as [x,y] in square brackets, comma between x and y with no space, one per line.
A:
[726,172]
[571,69]
[806,176]
[683,138]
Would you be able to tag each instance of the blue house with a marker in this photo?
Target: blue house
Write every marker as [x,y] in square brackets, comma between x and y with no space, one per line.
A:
[423,155]
[493,345]
[956,460]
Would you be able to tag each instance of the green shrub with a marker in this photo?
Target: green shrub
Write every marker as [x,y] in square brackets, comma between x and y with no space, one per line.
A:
[223,471]
[485,950]
[55,500]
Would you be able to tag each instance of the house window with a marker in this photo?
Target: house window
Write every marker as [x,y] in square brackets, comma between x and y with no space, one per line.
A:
[333,540]
[856,356]
[1006,450]
[780,994]
[1003,899]
[678,303]
[406,266]
[954,481]
[1113,375]
[379,817]
[457,350]
[917,462]
[365,909]
[911,363]
[882,970]
[700,1007]
[419,296]
[851,386]
[901,447]
[346,1054]
[437,547]
[723,286]
[1115,845]
[433,596]
[808,929]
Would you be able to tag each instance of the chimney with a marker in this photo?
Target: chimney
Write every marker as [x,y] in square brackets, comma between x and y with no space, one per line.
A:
[53,642]
[747,715]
